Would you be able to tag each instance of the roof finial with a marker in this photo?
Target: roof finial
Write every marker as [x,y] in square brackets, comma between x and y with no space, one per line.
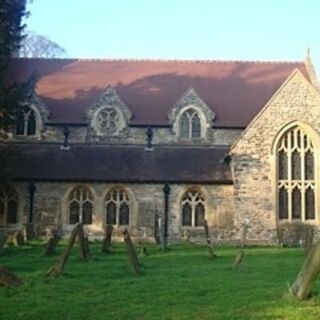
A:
[308,55]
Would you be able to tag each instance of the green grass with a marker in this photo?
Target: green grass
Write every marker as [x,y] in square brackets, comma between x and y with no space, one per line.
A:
[181,283]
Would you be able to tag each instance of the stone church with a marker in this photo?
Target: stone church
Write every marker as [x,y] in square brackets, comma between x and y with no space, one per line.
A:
[124,142]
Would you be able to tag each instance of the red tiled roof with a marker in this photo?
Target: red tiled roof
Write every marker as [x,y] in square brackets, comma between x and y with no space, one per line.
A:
[235,90]
[47,162]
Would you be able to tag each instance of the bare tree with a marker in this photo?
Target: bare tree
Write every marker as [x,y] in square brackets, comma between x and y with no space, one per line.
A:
[38,46]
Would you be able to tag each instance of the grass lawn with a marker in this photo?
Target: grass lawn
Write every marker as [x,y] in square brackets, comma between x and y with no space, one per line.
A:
[181,283]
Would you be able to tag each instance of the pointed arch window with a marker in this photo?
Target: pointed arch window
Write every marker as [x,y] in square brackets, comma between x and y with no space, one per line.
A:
[26,122]
[296,176]
[80,203]
[190,124]
[117,206]
[8,206]
[192,208]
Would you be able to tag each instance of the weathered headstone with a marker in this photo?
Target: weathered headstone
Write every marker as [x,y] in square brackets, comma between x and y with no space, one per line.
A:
[208,239]
[106,242]
[57,269]
[132,256]
[16,238]
[83,245]
[238,258]
[3,240]
[307,276]
[52,243]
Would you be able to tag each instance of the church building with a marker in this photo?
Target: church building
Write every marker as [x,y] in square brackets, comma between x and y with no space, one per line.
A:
[126,142]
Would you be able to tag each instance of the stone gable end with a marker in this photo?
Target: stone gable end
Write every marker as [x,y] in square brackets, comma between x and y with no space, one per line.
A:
[252,161]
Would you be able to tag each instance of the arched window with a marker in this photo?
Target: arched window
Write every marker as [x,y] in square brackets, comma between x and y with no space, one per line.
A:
[190,124]
[117,206]
[26,124]
[8,206]
[80,206]
[193,208]
[296,176]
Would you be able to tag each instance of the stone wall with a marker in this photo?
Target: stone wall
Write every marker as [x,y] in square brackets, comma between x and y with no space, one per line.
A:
[253,162]
[146,201]
[134,135]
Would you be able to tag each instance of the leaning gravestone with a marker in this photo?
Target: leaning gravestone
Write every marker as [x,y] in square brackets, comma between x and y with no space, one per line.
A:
[307,276]
[208,239]
[57,269]
[132,256]
[52,243]
[106,242]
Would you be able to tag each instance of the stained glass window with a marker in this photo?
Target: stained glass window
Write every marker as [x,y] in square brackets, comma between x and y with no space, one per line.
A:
[283,204]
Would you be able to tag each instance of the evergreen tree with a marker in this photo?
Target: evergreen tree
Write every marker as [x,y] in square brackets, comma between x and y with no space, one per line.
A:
[11,34]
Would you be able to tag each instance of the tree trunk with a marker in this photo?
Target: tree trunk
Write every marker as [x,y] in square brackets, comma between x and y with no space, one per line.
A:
[208,239]
[52,244]
[301,288]
[9,279]
[106,242]
[238,258]
[57,269]
[82,243]
[132,256]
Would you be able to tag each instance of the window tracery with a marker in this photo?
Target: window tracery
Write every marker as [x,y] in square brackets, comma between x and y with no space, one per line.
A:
[26,122]
[190,124]
[80,203]
[193,208]
[8,206]
[296,176]
[117,206]
[108,120]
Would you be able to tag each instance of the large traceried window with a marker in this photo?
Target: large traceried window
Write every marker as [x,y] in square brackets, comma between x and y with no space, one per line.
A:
[117,206]
[193,208]
[190,125]
[80,204]
[8,206]
[26,124]
[296,176]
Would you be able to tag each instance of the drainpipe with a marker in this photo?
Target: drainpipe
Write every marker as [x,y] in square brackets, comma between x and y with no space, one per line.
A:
[30,225]
[166,191]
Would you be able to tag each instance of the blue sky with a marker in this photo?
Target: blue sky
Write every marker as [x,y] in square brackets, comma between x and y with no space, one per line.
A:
[181,29]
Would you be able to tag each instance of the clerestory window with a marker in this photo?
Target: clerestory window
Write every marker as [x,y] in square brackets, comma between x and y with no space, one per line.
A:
[190,124]
[296,176]
[26,123]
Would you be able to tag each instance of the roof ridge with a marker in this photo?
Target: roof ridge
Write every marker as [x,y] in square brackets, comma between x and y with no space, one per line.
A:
[163,60]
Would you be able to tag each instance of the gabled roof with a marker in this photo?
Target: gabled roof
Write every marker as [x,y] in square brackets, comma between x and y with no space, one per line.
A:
[234,90]
[93,162]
